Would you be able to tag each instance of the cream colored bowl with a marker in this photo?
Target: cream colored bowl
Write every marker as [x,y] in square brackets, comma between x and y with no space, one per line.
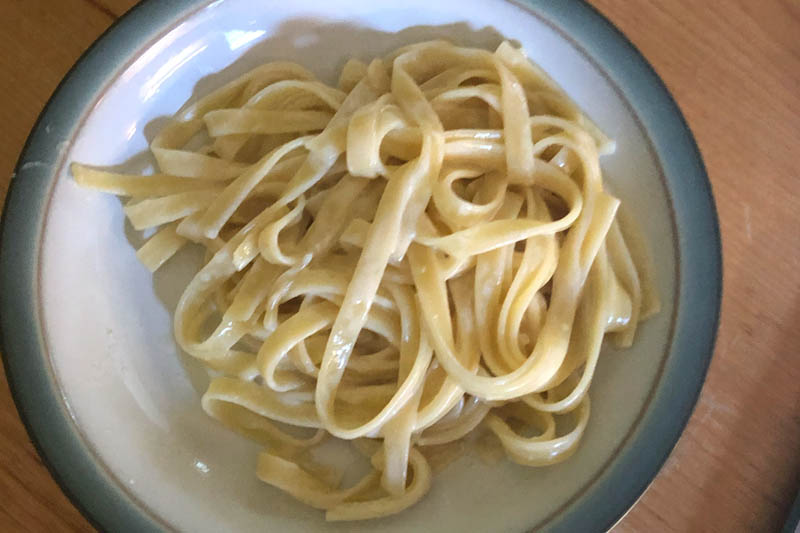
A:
[114,407]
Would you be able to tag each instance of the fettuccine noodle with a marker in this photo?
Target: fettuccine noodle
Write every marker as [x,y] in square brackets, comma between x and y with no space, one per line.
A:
[421,253]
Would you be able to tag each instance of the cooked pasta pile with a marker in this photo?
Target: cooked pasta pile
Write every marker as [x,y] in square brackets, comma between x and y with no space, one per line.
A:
[422,252]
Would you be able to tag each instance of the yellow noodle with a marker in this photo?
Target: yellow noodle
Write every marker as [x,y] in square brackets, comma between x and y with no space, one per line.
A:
[423,252]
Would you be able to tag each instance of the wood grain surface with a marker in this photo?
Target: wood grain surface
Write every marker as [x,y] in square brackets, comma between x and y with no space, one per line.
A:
[734,69]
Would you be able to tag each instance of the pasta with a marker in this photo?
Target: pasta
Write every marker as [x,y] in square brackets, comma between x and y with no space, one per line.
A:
[420,254]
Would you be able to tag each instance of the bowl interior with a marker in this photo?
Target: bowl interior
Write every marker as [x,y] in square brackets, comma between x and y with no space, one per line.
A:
[107,321]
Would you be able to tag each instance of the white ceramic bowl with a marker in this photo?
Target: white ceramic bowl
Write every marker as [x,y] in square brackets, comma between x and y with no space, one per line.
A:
[114,406]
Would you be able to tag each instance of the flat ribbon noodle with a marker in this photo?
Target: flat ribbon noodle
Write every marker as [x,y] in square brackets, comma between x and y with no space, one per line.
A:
[423,253]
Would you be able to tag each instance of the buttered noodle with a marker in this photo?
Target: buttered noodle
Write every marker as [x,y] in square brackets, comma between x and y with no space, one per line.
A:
[421,253]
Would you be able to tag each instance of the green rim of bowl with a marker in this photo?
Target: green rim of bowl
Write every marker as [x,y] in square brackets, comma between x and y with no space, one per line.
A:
[96,493]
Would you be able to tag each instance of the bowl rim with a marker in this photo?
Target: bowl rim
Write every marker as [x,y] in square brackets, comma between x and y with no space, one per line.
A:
[45,411]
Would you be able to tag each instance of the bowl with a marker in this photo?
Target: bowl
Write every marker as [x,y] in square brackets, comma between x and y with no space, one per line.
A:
[112,404]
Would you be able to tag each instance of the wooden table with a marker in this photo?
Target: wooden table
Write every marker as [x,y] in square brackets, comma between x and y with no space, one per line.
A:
[734,69]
